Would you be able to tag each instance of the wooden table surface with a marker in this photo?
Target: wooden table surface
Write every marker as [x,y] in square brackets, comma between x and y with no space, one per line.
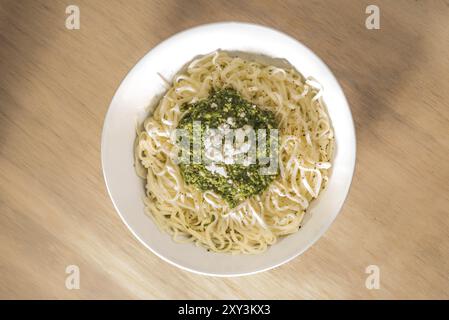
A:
[55,88]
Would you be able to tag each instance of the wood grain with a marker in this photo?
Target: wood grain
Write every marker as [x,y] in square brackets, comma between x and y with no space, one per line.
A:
[55,88]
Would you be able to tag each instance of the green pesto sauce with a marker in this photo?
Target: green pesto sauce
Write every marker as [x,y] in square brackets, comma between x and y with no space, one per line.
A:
[241,181]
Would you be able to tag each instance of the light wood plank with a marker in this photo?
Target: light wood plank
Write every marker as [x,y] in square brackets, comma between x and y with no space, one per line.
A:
[55,88]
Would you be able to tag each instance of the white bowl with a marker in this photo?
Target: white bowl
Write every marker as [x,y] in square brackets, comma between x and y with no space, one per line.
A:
[143,85]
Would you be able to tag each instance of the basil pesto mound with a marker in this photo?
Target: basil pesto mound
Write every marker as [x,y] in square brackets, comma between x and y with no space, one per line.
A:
[218,171]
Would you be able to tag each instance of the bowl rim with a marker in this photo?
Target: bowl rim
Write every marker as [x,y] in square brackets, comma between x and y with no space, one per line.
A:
[324,227]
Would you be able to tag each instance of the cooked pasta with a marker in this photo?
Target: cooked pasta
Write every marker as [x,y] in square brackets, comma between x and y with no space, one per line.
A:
[306,144]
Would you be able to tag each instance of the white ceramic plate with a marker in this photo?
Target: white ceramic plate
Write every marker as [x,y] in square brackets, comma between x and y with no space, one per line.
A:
[143,85]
